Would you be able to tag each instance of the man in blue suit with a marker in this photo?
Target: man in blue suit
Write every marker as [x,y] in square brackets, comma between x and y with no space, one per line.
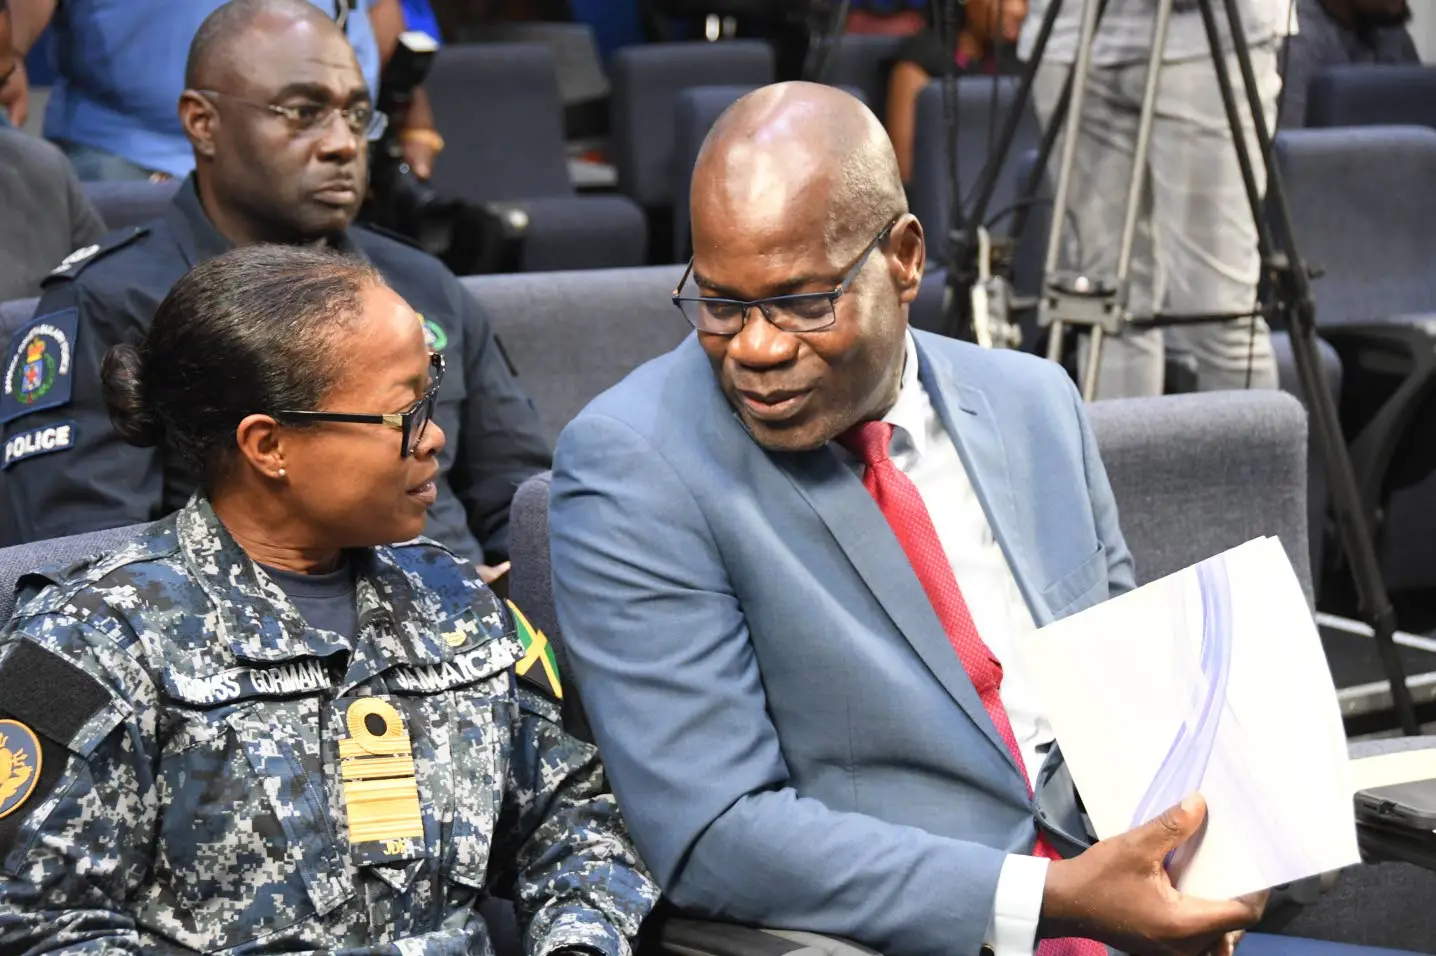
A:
[791,559]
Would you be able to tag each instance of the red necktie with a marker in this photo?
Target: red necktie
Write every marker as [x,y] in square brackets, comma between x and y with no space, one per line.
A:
[898,499]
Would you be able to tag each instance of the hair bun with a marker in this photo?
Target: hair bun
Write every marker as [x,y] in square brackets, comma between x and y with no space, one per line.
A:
[123,386]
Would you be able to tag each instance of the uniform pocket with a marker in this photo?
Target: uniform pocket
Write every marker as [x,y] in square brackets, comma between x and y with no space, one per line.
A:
[480,738]
[245,846]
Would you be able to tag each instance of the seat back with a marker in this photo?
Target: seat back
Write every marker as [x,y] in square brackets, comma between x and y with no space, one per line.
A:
[1198,474]
[646,80]
[19,560]
[497,106]
[124,203]
[863,62]
[983,103]
[1363,211]
[1372,94]
[571,335]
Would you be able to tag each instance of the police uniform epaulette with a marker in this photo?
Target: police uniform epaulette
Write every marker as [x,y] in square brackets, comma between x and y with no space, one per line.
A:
[77,261]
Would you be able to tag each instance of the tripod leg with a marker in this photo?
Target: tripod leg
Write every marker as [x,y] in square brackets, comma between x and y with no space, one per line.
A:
[1135,188]
[1080,70]
[1296,301]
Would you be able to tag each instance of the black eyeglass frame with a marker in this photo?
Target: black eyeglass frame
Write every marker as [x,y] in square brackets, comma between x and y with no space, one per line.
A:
[372,131]
[404,421]
[763,305]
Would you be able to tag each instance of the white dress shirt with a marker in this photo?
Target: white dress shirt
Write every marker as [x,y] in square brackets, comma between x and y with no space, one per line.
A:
[924,452]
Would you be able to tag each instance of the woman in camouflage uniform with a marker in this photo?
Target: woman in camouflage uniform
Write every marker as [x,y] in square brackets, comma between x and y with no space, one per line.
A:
[259,727]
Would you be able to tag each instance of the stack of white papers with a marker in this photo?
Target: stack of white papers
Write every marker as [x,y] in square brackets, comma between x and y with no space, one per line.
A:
[1212,680]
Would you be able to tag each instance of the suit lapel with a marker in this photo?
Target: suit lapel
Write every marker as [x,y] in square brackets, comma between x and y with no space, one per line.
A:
[970,422]
[863,534]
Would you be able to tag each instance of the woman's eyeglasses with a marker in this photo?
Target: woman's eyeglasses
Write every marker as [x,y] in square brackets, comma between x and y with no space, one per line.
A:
[411,422]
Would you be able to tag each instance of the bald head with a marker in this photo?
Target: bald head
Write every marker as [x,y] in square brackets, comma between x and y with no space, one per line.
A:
[219,46]
[801,150]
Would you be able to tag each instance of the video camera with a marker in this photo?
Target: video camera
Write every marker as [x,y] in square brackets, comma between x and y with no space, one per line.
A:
[470,238]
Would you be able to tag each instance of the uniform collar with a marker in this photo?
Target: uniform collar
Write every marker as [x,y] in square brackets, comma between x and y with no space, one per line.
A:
[255,618]
[201,241]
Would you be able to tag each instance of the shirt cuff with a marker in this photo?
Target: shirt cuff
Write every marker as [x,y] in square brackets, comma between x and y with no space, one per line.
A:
[1017,907]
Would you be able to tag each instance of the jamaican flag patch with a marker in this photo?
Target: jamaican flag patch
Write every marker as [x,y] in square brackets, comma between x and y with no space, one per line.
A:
[538,665]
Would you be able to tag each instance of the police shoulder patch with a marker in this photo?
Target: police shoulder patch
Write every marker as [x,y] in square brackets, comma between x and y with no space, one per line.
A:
[38,365]
[59,436]
[77,261]
[538,666]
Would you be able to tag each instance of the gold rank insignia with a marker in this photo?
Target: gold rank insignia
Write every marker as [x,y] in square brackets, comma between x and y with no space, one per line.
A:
[19,765]
[376,771]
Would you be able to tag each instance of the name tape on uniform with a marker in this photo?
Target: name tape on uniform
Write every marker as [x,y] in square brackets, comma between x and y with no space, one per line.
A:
[38,441]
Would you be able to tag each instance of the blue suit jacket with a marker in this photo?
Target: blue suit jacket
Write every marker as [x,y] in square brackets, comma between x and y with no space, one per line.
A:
[789,732]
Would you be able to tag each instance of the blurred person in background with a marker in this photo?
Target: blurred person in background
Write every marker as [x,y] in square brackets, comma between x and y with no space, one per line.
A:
[46,213]
[1339,32]
[278,115]
[986,44]
[114,114]
[1196,245]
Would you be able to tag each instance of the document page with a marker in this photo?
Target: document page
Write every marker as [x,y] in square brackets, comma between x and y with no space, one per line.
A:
[1211,680]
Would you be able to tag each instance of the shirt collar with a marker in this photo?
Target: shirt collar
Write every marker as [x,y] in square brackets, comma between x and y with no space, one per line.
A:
[909,414]
[203,240]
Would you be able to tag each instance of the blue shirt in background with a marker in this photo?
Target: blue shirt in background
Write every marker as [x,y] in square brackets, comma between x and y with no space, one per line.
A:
[418,15]
[120,71]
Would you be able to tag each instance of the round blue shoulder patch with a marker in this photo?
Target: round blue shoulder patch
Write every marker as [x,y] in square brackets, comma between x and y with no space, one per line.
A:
[19,765]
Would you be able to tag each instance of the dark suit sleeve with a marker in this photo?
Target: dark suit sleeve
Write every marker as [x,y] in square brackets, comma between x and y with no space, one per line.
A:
[100,481]
[501,442]
[659,647]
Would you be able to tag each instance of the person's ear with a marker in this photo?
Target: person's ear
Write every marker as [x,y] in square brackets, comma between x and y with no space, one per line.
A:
[908,255]
[198,117]
[261,446]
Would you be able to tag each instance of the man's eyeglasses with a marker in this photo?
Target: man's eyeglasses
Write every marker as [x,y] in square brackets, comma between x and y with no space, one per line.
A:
[411,422]
[310,117]
[803,312]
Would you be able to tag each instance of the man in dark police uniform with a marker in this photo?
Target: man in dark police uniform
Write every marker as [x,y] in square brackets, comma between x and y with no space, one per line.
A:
[280,117]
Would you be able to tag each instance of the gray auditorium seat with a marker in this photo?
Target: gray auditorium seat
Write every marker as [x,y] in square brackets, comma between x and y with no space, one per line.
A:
[498,107]
[571,335]
[863,62]
[1363,212]
[1197,474]
[646,80]
[123,203]
[1372,94]
[930,189]
[19,560]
